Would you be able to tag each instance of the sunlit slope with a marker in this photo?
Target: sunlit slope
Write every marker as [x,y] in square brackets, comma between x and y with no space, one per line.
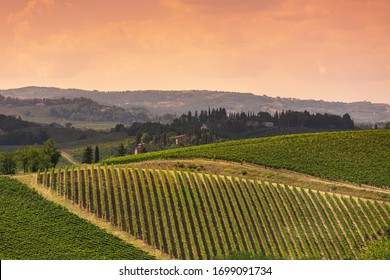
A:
[357,156]
[201,216]
[32,227]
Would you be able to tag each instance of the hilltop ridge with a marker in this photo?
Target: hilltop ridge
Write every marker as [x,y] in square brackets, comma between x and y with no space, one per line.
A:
[160,102]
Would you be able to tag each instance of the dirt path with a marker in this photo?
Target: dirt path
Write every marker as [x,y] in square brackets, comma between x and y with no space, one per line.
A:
[69,157]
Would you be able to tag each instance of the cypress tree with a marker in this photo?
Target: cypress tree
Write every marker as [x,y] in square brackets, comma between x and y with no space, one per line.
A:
[121,150]
[97,154]
[87,155]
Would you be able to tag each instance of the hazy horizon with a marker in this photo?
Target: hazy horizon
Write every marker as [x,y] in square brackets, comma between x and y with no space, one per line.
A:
[227,91]
[305,49]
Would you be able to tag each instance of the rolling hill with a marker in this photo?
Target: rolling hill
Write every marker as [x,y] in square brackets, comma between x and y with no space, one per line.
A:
[70,111]
[357,156]
[160,102]
[191,215]
[212,212]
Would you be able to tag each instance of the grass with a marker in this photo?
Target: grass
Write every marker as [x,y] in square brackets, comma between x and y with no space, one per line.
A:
[355,156]
[32,227]
[107,148]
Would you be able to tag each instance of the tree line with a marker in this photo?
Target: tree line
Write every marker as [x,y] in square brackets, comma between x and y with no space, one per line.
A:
[212,125]
[30,158]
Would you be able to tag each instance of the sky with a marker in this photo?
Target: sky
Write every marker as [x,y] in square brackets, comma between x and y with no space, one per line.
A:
[308,49]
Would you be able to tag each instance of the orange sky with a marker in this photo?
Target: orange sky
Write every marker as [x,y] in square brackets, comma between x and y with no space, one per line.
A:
[317,49]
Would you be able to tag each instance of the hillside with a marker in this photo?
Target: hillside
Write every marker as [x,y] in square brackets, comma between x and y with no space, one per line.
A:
[15,132]
[32,227]
[162,102]
[357,156]
[266,174]
[69,110]
[191,215]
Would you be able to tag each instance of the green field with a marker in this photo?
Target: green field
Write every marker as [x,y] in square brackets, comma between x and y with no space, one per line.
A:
[32,227]
[357,156]
[106,149]
[189,215]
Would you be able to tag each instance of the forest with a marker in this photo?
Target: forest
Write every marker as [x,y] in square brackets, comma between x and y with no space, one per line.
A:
[215,125]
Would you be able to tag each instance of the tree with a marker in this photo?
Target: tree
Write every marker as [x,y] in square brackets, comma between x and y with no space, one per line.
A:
[7,163]
[33,158]
[49,149]
[87,155]
[276,119]
[97,154]
[38,159]
[138,137]
[24,159]
[145,138]
[121,150]
[347,121]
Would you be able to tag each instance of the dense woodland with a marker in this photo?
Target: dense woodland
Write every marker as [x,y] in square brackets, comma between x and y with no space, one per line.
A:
[213,125]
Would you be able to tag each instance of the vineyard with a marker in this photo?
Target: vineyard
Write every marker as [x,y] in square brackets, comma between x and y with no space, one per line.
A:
[356,156]
[191,215]
[33,228]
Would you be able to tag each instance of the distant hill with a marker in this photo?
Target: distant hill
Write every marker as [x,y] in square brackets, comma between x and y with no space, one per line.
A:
[17,132]
[47,110]
[162,102]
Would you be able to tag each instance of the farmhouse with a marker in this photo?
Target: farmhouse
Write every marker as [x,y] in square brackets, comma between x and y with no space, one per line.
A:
[267,124]
[137,149]
[104,109]
[182,139]
[252,124]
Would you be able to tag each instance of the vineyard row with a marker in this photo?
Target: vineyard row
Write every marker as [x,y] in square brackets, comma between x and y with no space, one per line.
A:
[199,216]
